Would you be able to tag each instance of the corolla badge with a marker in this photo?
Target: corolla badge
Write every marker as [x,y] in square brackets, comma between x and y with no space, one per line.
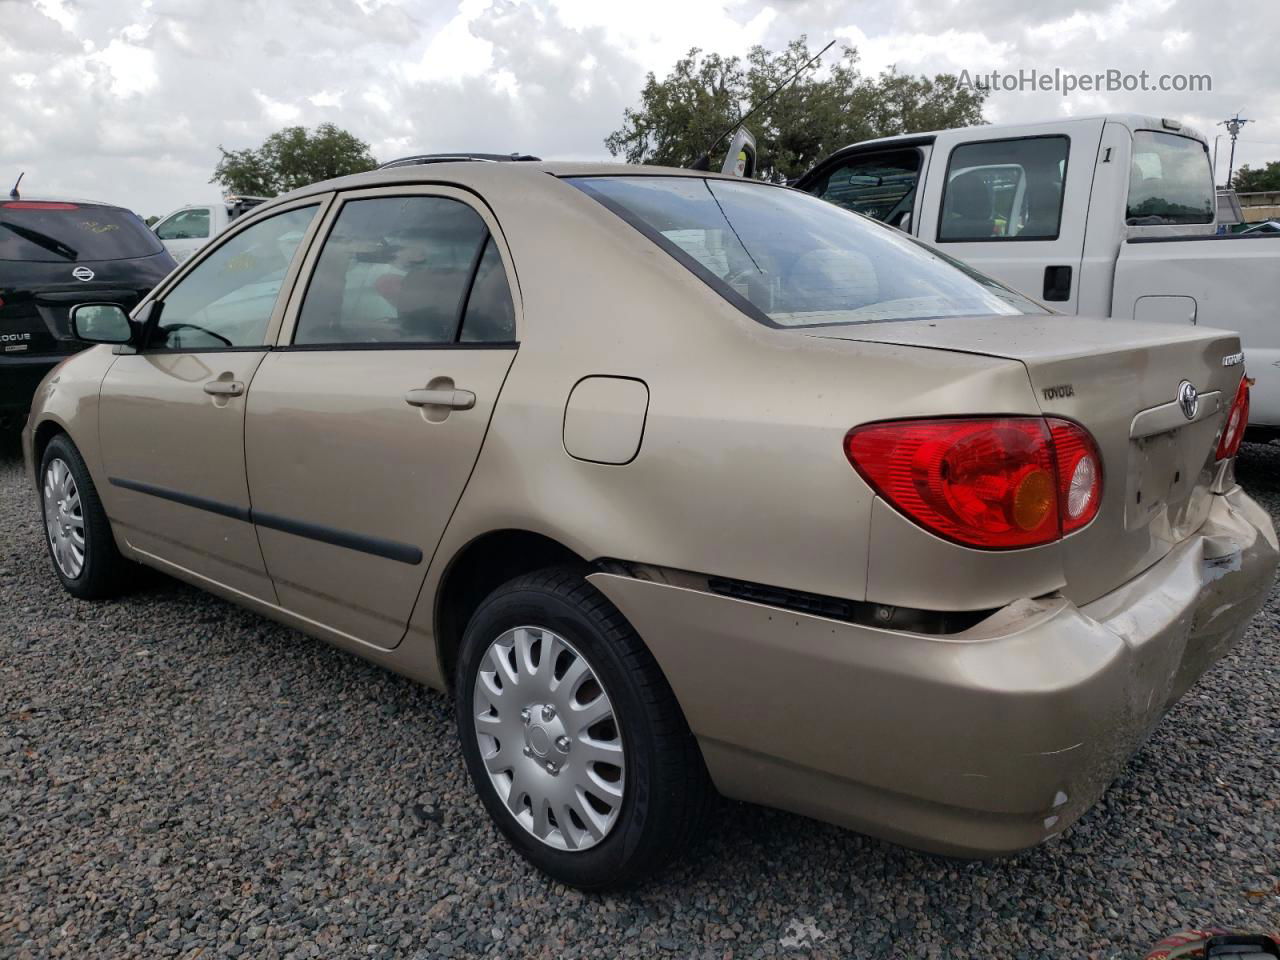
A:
[1188,399]
[82,273]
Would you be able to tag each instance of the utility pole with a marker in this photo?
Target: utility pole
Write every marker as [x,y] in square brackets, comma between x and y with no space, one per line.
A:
[1233,125]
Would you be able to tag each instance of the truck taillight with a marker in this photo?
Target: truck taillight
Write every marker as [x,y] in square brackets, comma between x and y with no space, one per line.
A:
[1237,420]
[994,483]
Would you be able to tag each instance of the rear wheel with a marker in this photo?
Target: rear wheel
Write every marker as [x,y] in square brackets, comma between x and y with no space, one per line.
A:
[572,736]
[77,532]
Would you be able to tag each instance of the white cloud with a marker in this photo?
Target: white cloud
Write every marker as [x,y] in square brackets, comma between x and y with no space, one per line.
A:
[277,110]
[132,68]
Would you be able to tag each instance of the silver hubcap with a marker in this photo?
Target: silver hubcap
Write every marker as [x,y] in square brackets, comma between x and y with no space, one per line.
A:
[549,738]
[64,519]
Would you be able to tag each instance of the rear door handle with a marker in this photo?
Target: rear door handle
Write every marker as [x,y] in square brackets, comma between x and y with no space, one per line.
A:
[451,398]
[224,388]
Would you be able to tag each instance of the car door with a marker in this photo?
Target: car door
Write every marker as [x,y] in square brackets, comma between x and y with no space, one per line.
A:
[185,231]
[1015,206]
[171,416]
[364,423]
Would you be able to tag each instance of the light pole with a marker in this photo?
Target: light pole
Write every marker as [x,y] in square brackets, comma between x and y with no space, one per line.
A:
[1233,126]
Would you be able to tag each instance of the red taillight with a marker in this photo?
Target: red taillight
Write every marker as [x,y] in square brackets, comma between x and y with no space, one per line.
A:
[1237,420]
[997,483]
[37,205]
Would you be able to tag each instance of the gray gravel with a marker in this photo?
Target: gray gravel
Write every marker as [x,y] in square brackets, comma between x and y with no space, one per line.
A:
[179,777]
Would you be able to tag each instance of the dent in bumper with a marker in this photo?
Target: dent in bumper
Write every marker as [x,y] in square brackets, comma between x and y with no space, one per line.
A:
[973,744]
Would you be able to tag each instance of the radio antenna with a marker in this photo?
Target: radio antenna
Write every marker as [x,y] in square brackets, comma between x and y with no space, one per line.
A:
[704,161]
[13,194]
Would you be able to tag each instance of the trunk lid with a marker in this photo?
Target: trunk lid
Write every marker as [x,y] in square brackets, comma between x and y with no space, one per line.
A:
[1120,380]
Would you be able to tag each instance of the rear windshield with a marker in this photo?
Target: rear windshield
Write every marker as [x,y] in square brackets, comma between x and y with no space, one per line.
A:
[1170,181]
[72,232]
[790,260]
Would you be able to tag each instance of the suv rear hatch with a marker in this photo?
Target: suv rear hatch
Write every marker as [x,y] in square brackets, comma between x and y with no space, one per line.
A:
[1120,380]
[54,254]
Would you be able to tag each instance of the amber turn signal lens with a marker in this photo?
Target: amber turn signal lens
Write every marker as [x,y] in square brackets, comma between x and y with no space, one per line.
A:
[1032,499]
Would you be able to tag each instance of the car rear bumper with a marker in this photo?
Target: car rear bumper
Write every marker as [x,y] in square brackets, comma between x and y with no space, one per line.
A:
[19,377]
[973,744]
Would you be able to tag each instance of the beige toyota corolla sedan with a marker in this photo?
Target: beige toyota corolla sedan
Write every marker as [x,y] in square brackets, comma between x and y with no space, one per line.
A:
[680,484]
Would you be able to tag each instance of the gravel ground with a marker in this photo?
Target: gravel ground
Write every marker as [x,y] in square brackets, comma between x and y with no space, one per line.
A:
[179,777]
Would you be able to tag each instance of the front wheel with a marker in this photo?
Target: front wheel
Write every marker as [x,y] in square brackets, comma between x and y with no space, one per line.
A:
[572,736]
[77,532]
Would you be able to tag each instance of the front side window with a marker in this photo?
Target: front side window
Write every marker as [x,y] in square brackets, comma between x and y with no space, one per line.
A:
[882,186]
[1004,190]
[1170,181]
[186,225]
[398,270]
[789,259]
[227,299]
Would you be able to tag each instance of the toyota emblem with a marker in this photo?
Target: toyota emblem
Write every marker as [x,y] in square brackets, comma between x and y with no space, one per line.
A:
[82,273]
[1188,399]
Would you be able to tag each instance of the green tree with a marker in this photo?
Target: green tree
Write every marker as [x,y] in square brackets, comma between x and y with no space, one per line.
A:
[680,114]
[1262,180]
[292,158]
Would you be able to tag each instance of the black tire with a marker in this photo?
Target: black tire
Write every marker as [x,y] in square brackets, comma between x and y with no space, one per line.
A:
[104,571]
[667,789]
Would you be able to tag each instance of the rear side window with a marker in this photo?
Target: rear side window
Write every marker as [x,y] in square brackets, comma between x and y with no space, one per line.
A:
[787,259]
[185,225]
[1170,181]
[399,270]
[55,232]
[882,186]
[1004,190]
[490,317]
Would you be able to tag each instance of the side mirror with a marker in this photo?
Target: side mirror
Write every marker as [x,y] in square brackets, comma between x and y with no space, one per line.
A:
[101,323]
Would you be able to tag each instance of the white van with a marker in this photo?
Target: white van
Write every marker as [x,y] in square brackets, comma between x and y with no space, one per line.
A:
[1106,216]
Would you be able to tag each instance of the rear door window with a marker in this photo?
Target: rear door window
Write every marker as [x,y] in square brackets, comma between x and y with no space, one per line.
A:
[57,232]
[881,186]
[1004,190]
[399,270]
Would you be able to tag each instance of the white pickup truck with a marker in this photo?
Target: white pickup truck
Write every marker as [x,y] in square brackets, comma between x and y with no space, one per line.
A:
[1105,216]
[187,229]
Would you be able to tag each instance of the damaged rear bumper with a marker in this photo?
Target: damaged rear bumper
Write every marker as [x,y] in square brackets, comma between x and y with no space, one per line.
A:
[973,744]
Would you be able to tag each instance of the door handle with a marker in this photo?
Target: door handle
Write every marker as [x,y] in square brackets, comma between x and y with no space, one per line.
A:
[224,388]
[1057,283]
[453,399]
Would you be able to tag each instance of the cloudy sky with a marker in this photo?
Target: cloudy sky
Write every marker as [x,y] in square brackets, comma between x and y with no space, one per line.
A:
[128,100]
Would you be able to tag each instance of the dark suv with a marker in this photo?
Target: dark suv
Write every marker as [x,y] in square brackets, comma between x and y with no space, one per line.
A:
[53,254]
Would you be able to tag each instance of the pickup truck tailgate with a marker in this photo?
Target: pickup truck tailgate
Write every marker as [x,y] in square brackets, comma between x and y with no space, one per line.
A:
[1234,283]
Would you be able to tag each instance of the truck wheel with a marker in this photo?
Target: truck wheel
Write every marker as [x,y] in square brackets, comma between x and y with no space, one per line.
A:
[77,532]
[572,735]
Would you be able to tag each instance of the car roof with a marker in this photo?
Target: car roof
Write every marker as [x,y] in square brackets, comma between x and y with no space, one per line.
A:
[476,176]
[27,198]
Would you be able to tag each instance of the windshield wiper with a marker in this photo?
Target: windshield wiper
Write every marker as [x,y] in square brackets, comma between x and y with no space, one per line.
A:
[42,240]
